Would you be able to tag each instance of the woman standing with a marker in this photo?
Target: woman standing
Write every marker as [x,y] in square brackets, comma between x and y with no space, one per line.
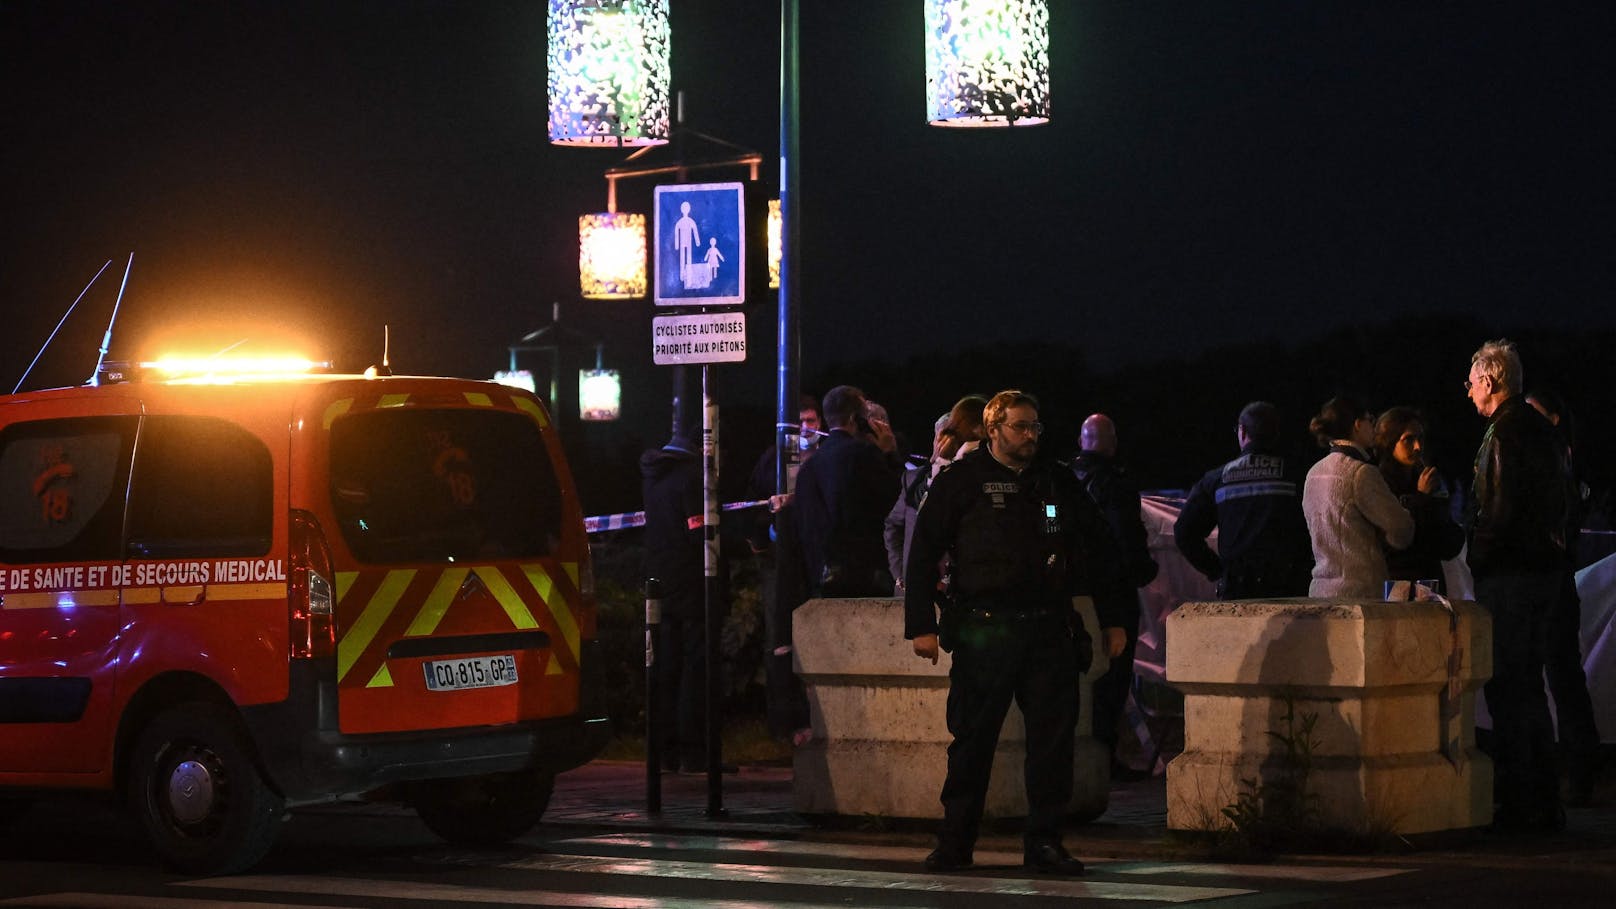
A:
[1400,449]
[1349,509]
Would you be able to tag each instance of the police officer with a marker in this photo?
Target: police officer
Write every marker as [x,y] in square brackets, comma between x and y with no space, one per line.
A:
[1022,540]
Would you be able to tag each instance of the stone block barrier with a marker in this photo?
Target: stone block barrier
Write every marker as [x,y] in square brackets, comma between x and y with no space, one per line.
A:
[880,735]
[1390,689]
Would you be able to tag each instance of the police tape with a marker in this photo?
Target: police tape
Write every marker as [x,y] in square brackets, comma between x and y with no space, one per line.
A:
[629,519]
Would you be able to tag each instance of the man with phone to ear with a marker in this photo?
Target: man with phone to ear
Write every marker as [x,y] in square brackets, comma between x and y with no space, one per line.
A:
[1024,540]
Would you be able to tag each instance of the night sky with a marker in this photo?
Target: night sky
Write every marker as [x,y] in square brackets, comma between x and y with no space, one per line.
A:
[1216,171]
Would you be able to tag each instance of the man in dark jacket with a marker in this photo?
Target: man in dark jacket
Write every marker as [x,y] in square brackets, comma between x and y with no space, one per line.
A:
[1516,529]
[674,555]
[1024,539]
[1255,504]
[842,497]
[1113,489]
[774,540]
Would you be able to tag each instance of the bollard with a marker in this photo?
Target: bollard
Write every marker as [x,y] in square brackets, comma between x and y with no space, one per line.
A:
[653,724]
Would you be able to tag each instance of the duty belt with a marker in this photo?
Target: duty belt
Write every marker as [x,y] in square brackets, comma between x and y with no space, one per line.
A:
[1015,615]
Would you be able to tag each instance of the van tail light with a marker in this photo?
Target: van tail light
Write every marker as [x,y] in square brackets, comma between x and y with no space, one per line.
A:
[311,600]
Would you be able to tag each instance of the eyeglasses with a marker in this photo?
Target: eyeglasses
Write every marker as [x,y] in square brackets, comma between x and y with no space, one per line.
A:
[1035,429]
[1472,383]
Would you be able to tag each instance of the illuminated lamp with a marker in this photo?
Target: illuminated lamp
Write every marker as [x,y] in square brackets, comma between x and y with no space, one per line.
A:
[609,72]
[775,222]
[987,62]
[600,394]
[611,256]
[516,378]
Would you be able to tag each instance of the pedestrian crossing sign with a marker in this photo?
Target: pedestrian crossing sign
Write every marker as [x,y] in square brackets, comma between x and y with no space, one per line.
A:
[700,237]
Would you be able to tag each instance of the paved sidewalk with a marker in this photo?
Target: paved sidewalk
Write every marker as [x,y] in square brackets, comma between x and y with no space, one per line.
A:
[757,801]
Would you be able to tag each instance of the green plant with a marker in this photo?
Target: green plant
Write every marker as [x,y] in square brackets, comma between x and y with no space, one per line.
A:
[1277,807]
[620,593]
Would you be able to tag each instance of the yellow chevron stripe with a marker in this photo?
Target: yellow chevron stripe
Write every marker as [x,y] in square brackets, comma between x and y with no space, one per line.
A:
[365,628]
[141,596]
[553,667]
[532,409]
[45,599]
[264,591]
[564,620]
[345,582]
[437,603]
[509,599]
[479,399]
[571,568]
[382,678]
[393,401]
[335,409]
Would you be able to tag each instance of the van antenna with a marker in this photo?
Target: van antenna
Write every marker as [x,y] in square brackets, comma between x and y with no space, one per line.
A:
[386,367]
[106,339]
[58,327]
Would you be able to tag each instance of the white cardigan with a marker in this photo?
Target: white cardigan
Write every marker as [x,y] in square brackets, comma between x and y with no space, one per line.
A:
[1349,507]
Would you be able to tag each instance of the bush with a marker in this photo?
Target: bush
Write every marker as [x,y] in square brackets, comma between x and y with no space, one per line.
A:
[619,587]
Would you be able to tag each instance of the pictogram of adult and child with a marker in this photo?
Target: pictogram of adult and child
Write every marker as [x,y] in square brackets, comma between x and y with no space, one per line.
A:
[694,275]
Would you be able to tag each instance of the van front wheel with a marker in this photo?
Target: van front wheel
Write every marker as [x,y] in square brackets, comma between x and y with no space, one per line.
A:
[484,810]
[198,794]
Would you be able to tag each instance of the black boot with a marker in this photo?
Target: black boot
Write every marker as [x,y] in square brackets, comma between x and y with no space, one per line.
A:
[949,858]
[1050,857]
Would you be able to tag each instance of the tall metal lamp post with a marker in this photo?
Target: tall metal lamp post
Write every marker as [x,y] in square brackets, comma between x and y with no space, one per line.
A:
[987,66]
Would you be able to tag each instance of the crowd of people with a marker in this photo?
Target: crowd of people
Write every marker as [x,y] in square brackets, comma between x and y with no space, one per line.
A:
[987,543]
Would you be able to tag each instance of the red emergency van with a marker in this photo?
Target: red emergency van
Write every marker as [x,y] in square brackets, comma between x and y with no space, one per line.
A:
[225,596]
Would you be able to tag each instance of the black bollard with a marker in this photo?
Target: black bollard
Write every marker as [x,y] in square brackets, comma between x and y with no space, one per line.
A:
[653,722]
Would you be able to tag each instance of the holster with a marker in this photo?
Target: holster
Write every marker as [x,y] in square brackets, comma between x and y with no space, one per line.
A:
[948,626]
[1082,641]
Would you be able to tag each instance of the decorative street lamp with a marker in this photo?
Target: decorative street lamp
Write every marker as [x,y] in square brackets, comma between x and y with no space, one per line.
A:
[776,224]
[611,256]
[609,72]
[600,393]
[987,62]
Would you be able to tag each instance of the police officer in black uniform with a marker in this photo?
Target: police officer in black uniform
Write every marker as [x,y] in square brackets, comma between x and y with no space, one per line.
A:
[1021,540]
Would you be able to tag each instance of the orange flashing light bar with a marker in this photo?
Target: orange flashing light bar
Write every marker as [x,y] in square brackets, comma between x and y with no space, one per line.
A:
[232,367]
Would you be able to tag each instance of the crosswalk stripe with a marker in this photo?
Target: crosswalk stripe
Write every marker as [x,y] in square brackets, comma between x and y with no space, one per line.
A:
[1317,873]
[1322,873]
[884,880]
[785,847]
[124,901]
[455,893]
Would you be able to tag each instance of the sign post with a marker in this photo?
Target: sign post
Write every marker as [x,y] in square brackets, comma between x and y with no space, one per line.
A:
[700,261]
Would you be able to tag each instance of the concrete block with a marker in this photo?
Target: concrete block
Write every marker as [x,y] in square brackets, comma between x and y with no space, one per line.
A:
[1391,687]
[880,731]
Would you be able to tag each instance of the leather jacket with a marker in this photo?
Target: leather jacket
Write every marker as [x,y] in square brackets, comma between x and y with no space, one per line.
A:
[1519,499]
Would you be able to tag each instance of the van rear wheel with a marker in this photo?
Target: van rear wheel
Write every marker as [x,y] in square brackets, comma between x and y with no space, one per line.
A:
[484,810]
[11,810]
[198,794]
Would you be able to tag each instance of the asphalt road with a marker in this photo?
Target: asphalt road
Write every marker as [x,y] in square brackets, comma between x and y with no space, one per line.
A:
[85,854]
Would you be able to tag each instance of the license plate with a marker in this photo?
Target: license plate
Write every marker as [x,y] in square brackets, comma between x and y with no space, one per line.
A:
[475,672]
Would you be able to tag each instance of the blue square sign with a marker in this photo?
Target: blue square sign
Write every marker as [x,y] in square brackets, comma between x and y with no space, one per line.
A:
[700,237]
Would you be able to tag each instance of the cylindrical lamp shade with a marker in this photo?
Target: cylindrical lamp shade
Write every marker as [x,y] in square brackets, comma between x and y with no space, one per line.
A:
[775,222]
[600,395]
[609,72]
[611,256]
[987,62]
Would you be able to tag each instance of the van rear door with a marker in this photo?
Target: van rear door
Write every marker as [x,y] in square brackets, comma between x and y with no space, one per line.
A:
[459,552]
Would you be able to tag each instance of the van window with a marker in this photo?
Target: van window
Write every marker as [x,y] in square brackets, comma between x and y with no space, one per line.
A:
[62,486]
[203,488]
[443,485]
